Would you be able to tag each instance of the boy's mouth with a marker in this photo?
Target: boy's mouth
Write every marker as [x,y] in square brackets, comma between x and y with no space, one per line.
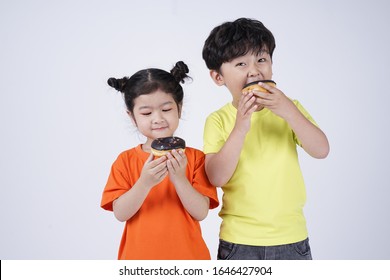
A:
[250,81]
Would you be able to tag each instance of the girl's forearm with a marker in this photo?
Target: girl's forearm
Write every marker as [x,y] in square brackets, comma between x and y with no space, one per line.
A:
[130,202]
[196,204]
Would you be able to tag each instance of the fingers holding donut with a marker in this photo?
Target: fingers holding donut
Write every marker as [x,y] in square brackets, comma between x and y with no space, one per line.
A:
[172,148]
[245,107]
[177,162]
[154,171]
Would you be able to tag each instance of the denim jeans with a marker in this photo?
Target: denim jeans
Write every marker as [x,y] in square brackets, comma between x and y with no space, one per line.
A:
[294,251]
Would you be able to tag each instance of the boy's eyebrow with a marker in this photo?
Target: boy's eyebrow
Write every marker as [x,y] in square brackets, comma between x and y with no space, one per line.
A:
[262,51]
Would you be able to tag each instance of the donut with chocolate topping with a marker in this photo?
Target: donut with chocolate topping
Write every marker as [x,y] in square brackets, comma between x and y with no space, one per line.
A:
[164,145]
[254,86]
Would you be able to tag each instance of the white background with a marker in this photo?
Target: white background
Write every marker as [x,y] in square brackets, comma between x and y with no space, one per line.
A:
[62,126]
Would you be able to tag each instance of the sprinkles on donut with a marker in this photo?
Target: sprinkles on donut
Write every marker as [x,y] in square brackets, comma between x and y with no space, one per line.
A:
[164,145]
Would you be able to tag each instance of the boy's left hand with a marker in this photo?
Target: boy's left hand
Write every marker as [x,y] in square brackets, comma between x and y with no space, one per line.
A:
[177,164]
[275,100]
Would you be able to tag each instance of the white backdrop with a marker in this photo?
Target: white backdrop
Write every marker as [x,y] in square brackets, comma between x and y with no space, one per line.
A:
[62,126]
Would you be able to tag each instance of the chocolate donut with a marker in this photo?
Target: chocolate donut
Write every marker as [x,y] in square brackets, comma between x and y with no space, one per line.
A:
[162,146]
[254,86]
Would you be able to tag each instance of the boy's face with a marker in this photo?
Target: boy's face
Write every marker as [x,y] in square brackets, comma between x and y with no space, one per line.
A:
[248,68]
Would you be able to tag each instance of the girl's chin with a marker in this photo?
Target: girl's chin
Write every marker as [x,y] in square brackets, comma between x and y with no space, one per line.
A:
[162,135]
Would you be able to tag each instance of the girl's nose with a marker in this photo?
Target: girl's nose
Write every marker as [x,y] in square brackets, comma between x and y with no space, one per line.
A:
[158,118]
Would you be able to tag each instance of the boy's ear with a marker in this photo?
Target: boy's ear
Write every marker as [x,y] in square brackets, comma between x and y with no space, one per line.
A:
[217,77]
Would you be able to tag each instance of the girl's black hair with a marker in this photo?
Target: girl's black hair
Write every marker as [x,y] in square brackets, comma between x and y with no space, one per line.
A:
[149,80]
[233,39]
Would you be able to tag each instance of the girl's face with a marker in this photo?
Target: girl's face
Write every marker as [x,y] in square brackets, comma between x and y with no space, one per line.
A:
[156,115]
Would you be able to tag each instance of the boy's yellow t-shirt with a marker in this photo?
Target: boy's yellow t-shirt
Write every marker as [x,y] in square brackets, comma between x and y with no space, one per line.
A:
[263,201]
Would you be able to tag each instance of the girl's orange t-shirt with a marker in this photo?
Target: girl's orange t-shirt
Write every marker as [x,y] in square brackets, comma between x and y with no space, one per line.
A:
[162,228]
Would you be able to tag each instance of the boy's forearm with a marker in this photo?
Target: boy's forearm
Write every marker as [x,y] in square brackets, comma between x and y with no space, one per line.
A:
[312,138]
[221,166]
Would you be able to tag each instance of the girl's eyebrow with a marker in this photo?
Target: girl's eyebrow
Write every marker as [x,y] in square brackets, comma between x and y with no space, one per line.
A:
[148,107]
[167,103]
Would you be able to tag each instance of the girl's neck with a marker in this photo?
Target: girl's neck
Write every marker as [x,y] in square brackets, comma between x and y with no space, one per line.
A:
[146,146]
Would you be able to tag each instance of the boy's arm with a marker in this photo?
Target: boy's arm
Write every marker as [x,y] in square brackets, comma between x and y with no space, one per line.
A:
[220,166]
[312,138]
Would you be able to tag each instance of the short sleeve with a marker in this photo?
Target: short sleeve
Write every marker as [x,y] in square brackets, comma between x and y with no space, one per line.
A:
[200,181]
[213,139]
[306,114]
[117,183]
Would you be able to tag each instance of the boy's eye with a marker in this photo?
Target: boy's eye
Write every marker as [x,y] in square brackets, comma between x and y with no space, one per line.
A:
[240,64]
[146,113]
[262,60]
[167,110]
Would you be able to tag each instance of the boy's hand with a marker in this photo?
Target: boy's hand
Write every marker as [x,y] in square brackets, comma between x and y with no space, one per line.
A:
[154,171]
[275,100]
[246,106]
[177,164]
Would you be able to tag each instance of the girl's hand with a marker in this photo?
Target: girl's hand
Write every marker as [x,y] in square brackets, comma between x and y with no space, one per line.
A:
[154,171]
[177,164]
[276,101]
[195,203]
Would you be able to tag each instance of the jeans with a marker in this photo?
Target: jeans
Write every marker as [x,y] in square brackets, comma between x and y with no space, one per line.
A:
[293,251]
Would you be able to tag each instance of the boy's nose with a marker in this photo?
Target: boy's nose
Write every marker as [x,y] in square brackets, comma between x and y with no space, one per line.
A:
[253,71]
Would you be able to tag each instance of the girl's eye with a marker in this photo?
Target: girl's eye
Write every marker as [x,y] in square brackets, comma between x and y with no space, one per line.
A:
[240,64]
[262,60]
[146,113]
[167,110]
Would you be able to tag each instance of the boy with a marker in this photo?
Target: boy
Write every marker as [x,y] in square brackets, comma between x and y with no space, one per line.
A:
[250,147]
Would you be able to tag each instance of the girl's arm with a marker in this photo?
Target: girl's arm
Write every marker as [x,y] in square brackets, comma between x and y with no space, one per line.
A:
[153,172]
[196,204]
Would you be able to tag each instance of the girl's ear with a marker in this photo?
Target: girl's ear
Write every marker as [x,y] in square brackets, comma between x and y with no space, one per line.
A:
[217,77]
[131,117]
[179,107]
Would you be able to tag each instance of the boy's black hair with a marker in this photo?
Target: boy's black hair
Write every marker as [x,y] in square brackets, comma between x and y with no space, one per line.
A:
[233,39]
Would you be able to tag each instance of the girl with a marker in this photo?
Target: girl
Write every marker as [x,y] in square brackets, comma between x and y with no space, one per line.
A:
[162,200]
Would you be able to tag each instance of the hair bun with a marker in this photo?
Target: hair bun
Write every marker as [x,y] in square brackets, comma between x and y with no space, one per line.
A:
[118,84]
[179,71]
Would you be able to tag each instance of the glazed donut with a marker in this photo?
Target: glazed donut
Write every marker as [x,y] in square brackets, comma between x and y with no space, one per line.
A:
[254,86]
[162,146]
